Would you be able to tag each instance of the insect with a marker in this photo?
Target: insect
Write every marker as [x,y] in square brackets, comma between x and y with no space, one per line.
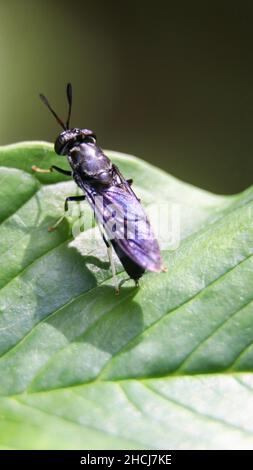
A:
[117,210]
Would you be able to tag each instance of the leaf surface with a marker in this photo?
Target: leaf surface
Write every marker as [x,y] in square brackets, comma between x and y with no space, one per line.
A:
[168,365]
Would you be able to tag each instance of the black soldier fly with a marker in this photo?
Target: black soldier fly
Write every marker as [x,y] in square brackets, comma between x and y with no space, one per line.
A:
[117,210]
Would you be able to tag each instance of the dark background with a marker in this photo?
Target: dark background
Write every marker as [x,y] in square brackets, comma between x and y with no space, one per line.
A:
[171,82]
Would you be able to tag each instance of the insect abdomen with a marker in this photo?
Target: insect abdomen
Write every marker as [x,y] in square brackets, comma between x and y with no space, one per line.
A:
[133,269]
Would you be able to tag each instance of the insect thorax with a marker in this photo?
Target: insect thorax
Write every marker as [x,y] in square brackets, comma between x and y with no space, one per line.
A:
[91,163]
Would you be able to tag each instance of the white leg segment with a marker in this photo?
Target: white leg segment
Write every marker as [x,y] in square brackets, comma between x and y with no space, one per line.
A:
[115,282]
[109,252]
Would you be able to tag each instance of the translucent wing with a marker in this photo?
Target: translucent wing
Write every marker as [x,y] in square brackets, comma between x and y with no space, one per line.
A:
[122,216]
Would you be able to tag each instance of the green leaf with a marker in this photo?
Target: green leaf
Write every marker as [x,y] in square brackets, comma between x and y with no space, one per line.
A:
[168,365]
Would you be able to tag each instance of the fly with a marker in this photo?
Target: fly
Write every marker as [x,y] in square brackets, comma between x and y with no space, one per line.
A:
[119,214]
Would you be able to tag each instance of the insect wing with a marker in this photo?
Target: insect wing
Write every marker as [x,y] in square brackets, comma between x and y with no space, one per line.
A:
[123,219]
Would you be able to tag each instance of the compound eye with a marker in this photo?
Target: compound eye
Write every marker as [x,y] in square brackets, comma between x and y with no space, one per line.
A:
[90,139]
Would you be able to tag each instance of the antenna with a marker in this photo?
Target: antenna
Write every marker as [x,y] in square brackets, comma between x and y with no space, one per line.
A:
[69,98]
[46,102]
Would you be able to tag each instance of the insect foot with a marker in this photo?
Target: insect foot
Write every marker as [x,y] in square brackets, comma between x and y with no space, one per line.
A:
[36,169]
[51,229]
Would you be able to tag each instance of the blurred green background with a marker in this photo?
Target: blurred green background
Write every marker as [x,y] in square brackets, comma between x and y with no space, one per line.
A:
[169,82]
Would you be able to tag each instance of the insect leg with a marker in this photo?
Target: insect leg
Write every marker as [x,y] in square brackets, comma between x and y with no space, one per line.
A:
[51,169]
[66,206]
[109,253]
[73,198]
[136,281]
[106,242]
[123,281]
